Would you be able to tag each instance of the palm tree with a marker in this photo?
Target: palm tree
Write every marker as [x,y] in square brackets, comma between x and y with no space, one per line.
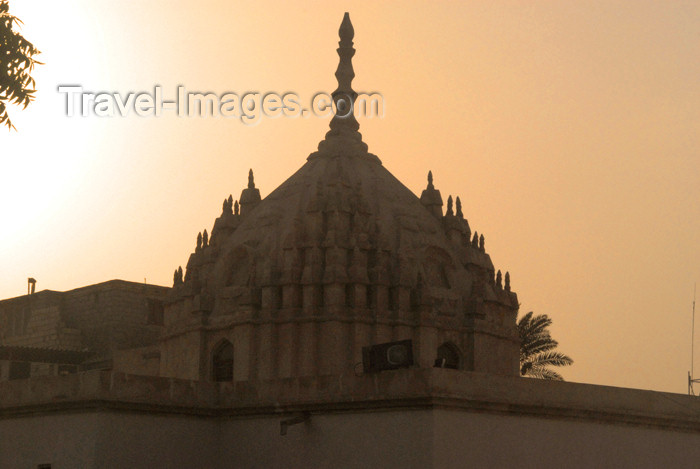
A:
[537,352]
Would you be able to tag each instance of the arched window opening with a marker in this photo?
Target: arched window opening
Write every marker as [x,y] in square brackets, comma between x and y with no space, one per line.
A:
[447,356]
[222,362]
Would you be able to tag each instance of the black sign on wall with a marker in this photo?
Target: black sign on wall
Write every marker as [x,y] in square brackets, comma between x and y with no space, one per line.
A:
[388,356]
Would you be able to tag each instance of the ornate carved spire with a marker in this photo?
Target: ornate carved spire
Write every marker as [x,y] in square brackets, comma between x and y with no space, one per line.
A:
[343,138]
[344,96]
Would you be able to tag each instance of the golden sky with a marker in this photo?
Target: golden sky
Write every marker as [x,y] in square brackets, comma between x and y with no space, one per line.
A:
[570,130]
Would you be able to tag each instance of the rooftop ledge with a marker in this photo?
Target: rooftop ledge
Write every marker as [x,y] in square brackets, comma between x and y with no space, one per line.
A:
[408,388]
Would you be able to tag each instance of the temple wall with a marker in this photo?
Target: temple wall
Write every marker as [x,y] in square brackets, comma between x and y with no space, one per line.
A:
[419,419]
[180,356]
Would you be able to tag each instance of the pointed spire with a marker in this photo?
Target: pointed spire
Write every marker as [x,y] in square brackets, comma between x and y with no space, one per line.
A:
[251,181]
[224,207]
[205,239]
[230,201]
[475,240]
[507,286]
[344,96]
[250,197]
[235,208]
[177,276]
[449,206]
[481,243]
[459,208]
[431,198]
[199,241]
[343,138]
[499,280]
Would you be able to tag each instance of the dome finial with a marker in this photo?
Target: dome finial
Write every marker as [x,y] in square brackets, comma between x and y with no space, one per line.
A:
[343,137]
[344,96]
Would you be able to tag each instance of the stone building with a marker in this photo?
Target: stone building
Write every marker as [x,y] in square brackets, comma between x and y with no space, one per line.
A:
[340,322]
[50,332]
[340,256]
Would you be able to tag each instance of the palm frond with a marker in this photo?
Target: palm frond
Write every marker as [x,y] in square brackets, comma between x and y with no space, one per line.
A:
[537,346]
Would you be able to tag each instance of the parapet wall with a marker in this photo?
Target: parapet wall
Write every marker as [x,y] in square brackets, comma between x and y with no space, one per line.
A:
[419,418]
[410,388]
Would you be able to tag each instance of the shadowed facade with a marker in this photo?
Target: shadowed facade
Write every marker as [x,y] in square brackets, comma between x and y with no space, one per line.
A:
[338,257]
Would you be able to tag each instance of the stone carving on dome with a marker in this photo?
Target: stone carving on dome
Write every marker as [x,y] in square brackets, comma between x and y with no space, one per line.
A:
[343,251]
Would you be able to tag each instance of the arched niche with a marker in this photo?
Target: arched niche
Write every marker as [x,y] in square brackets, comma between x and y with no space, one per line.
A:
[448,356]
[222,362]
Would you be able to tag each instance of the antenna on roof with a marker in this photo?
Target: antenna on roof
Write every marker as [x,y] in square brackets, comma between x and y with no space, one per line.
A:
[692,349]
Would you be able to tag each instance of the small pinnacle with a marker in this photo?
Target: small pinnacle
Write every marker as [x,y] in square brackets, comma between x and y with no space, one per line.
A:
[459,208]
[507,286]
[481,242]
[251,182]
[475,240]
[449,206]
[499,281]
[430,179]
[205,239]
[236,208]
[199,241]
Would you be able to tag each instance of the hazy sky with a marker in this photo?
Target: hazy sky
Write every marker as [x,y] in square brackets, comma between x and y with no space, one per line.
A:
[571,131]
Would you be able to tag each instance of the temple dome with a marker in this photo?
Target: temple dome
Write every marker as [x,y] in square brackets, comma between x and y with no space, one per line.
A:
[338,257]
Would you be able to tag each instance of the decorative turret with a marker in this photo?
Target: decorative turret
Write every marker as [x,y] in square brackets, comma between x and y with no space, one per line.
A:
[449,212]
[431,198]
[250,197]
